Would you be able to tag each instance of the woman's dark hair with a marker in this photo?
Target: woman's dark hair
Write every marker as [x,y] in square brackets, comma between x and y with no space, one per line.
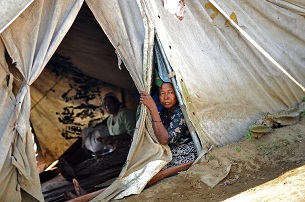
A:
[165,83]
[113,97]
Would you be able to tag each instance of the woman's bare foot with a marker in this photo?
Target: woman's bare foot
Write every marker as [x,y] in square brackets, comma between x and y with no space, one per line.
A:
[78,189]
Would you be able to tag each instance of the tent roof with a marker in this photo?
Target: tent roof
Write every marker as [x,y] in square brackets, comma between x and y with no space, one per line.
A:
[91,51]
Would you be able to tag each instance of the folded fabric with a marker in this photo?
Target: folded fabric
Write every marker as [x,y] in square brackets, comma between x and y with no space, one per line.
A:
[90,137]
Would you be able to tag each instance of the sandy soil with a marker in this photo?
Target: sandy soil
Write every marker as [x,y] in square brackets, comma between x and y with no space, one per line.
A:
[270,168]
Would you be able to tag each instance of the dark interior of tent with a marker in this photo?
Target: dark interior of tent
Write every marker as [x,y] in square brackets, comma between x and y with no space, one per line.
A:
[87,57]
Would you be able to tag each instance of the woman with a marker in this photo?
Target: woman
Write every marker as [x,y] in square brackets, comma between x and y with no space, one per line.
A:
[170,128]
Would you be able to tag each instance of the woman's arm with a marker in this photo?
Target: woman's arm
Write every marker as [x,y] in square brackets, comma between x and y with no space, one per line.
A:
[160,130]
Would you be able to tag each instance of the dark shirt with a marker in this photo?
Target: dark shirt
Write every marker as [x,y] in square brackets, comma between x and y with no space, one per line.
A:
[178,132]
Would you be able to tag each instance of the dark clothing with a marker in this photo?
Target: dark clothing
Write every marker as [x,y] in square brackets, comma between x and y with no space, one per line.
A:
[179,138]
[96,165]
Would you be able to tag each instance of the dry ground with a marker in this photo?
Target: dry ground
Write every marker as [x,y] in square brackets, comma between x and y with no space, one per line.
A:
[270,168]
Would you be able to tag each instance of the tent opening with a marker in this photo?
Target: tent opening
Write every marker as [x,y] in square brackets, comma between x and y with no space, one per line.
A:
[66,98]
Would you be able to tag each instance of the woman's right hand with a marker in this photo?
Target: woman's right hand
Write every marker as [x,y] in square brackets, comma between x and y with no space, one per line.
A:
[147,100]
[160,130]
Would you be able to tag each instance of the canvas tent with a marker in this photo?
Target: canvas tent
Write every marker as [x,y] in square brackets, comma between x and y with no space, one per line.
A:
[228,78]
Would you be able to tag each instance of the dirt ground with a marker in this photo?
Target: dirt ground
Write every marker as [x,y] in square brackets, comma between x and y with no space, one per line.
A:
[270,168]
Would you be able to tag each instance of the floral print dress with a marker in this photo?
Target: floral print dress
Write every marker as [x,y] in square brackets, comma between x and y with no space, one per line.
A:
[179,138]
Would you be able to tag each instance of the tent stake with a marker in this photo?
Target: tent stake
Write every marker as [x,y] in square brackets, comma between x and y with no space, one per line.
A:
[180,100]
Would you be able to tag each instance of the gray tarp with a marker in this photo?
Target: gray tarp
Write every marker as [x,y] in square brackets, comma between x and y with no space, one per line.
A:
[226,82]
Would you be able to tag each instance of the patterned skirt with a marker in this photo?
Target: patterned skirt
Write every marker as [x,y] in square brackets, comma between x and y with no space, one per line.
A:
[182,154]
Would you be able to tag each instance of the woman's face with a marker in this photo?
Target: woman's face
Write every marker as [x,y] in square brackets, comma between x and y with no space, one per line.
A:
[111,105]
[167,95]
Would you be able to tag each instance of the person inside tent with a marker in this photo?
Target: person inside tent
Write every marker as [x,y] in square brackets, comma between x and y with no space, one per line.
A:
[170,129]
[110,147]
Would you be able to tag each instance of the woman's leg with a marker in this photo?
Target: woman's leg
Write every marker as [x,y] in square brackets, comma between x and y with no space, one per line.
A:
[168,172]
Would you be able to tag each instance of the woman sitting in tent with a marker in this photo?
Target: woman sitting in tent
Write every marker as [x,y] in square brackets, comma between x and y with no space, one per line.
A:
[110,149]
[170,128]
